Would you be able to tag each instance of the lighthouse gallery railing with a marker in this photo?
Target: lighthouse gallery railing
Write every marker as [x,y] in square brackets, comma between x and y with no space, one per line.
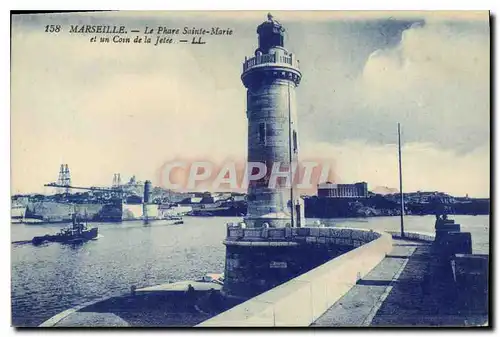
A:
[270,58]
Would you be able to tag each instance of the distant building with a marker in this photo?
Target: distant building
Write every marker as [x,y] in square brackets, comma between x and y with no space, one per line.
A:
[330,190]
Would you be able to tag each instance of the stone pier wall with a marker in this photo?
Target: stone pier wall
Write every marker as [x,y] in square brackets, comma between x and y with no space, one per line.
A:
[259,259]
[301,300]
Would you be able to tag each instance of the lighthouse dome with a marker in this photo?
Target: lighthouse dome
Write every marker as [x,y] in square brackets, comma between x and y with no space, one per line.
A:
[271,34]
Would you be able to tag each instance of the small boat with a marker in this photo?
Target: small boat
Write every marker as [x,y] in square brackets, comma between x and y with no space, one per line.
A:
[213,278]
[77,233]
[176,220]
[207,283]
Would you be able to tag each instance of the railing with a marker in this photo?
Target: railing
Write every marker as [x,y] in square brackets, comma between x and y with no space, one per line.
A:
[334,235]
[270,58]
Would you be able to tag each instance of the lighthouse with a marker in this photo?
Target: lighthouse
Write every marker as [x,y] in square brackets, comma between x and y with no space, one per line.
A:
[271,77]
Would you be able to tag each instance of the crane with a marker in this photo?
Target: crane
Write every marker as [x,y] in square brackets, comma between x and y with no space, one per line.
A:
[101,189]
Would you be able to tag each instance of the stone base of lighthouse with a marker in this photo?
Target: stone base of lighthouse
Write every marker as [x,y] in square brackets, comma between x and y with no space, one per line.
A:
[263,212]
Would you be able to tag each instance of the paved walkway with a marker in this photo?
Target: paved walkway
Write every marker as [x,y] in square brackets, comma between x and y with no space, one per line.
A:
[360,304]
[410,287]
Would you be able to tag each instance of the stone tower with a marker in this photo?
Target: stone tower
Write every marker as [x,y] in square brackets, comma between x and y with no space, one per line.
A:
[271,77]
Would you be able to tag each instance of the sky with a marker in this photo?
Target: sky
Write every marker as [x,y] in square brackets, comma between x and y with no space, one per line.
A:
[129,109]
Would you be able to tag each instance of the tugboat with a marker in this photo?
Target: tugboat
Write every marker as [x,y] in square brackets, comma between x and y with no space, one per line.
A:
[77,233]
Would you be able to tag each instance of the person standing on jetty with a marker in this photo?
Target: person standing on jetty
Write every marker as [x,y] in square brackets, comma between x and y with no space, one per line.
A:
[190,298]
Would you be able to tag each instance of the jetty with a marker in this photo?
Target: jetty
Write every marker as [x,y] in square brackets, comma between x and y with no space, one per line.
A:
[421,280]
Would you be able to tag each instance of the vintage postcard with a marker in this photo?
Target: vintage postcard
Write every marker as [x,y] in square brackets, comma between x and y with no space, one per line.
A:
[250,169]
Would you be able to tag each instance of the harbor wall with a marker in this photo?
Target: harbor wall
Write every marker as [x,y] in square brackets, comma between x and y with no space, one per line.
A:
[301,300]
[58,212]
[51,211]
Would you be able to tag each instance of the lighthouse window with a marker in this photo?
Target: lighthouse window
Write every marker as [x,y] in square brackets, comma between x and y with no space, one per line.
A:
[294,141]
[262,133]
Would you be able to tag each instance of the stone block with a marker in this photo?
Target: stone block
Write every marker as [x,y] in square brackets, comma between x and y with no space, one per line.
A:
[346,233]
[324,231]
[232,263]
[314,231]
[299,238]
[303,231]
[276,233]
[238,233]
[252,232]
[357,243]
[311,239]
[455,243]
[358,234]
[471,276]
[339,233]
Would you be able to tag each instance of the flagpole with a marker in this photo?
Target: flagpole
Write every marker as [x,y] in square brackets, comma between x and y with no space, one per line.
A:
[401,183]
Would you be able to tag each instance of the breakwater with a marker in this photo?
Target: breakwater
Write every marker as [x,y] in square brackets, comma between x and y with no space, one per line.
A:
[316,289]
[420,281]
[439,282]
[259,259]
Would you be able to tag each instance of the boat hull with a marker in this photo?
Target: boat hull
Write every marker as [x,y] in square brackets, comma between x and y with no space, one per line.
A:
[84,236]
